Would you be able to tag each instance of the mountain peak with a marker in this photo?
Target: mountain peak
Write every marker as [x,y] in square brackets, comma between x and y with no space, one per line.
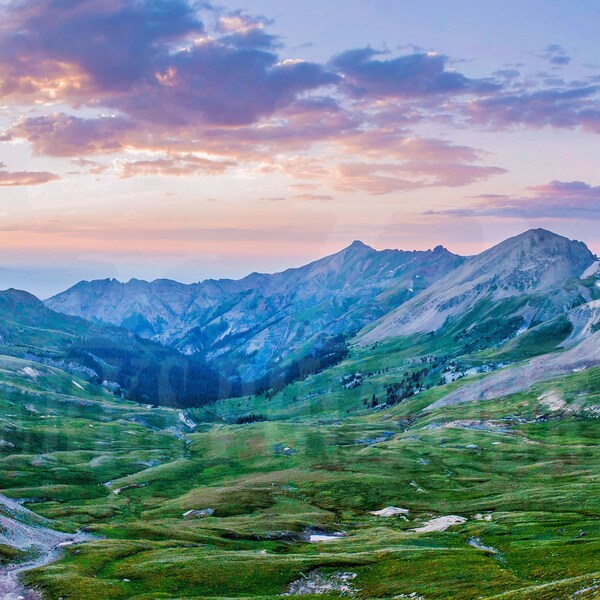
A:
[358,245]
[539,233]
[536,263]
[543,242]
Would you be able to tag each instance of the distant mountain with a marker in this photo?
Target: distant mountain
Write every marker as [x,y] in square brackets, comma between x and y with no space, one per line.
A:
[524,280]
[251,325]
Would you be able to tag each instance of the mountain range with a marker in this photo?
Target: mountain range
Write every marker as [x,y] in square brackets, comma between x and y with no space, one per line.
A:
[251,325]
[185,345]
[248,327]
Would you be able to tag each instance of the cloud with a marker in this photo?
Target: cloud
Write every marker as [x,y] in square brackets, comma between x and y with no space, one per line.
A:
[18,178]
[392,161]
[112,43]
[60,134]
[174,166]
[562,108]
[385,178]
[401,144]
[408,76]
[170,79]
[554,200]
[247,31]
[314,197]
[152,60]
[91,166]
[556,55]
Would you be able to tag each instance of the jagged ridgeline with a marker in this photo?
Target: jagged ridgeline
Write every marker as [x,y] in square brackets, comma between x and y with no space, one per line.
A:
[251,327]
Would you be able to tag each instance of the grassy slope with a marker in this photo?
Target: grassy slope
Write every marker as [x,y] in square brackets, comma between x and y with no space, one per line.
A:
[535,471]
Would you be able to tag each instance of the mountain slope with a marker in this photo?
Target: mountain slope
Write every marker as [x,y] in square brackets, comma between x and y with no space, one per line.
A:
[583,356]
[147,371]
[253,323]
[535,275]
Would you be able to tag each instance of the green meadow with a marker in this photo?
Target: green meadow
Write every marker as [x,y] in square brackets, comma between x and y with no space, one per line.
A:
[523,473]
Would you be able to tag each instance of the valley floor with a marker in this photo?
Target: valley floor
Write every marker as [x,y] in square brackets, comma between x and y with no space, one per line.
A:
[501,498]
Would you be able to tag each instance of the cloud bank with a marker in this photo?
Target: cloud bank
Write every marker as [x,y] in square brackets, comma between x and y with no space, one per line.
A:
[197,90]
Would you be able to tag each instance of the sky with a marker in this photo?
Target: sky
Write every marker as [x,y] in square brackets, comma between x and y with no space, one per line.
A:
[188,140]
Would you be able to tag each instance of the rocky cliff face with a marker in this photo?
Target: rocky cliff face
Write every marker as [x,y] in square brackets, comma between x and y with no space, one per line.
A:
[258,320]
[538,264]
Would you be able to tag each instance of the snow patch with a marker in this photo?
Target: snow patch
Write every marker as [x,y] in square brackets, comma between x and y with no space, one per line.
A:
[592,270]
[30,372]
[316,538]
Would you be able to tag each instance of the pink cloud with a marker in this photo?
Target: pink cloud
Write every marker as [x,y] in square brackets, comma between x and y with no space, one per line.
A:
[18,178]
[164,80]
[174,166]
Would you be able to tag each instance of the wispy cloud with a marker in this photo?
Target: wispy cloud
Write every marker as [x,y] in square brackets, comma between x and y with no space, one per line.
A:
[554,200]
[567,107]
[18,178]
[556,55]
[173,166]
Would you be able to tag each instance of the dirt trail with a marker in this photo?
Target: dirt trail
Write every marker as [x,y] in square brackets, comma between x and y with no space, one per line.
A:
[22,529]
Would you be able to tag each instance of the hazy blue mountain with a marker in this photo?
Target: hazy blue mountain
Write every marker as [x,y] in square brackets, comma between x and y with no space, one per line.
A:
[253,323]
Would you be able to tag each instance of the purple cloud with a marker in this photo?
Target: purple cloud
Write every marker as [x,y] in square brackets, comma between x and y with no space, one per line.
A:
[113,42]
[556,55]
[176,84]
[562,108]
[409,76]
[64,135]
[219,84]
[152,60]
[555,200]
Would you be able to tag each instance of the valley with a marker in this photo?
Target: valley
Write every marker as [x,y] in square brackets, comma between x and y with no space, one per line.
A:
[456,462]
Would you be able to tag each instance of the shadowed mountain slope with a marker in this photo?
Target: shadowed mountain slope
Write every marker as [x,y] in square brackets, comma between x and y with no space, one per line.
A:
[146,371]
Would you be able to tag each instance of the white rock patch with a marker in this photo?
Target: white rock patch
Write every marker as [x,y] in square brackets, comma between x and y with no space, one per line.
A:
[390,511]
[552,400]
[440,524]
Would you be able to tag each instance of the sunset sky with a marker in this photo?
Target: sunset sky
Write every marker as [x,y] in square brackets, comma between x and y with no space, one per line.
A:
[181,139]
